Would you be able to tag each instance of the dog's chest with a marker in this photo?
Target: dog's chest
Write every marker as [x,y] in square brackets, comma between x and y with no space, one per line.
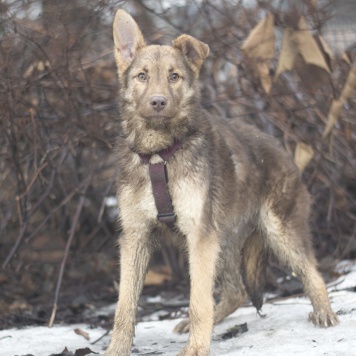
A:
[137,205]
[188,195]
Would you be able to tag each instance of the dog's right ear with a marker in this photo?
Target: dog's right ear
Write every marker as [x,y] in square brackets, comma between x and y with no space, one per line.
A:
[128,39]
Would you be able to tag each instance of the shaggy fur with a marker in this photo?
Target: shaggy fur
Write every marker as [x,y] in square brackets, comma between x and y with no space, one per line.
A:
[236,193]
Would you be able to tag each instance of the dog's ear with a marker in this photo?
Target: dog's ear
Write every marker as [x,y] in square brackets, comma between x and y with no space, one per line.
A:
[194,50]
[128,39]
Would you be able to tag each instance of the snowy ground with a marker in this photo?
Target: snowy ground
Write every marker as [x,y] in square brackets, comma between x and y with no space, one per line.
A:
[285,331]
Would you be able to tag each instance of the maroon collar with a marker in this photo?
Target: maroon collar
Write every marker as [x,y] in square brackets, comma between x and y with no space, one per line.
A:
[165,154]
[159,181]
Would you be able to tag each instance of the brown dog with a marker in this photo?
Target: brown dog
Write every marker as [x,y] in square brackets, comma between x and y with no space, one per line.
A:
[236,194]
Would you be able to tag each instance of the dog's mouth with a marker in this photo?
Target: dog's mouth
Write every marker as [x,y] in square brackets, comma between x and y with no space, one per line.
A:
[158,117]
[158,122]
[164,114]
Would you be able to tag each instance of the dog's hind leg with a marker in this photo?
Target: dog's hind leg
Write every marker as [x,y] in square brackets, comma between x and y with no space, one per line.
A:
[135,254]
[232,296]
[289,240]
[233,293]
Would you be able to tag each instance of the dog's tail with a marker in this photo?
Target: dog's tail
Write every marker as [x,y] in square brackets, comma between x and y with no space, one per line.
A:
[253,268]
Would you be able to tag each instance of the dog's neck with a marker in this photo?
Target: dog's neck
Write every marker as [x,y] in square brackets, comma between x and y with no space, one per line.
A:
[165,154]
[147,137]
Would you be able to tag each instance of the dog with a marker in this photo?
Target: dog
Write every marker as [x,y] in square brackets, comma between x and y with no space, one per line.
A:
[234,194]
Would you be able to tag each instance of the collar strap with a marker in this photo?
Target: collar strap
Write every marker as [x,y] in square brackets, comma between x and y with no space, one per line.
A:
[165,154]
[159,181]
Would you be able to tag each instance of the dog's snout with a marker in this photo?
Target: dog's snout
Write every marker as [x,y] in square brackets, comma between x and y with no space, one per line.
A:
[158,102]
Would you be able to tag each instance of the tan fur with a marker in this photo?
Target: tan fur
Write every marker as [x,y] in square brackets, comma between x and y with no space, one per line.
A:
[194,50]
[236,193]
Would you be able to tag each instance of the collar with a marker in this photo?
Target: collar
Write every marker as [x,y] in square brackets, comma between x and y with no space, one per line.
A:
[165,154]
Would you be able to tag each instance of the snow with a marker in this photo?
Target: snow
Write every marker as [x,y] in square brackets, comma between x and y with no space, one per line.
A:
[43,341]
[284,331]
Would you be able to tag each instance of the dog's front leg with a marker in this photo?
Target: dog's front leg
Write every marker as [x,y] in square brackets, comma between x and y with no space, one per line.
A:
[135,254]
[203,254]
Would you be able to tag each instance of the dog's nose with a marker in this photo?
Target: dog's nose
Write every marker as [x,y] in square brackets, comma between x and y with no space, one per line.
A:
[158,102]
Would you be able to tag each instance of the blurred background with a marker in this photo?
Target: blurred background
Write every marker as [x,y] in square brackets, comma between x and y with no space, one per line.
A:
[288,67]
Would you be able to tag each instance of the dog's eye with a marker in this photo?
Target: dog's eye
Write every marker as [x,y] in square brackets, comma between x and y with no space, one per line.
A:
[174,77]
[142,76]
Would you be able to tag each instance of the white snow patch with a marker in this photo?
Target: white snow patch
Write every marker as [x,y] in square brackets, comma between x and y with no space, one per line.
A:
[156,299]
[348,279]
[43,341]
[111,201]
[285,331]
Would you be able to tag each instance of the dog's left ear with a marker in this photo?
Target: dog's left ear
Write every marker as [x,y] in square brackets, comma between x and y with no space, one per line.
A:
[194,50]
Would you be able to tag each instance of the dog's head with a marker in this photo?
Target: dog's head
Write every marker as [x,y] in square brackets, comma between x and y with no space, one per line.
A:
[158,83]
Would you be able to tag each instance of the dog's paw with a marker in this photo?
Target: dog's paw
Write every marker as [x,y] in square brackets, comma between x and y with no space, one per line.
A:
[194,351]
[182,327]
[324,318]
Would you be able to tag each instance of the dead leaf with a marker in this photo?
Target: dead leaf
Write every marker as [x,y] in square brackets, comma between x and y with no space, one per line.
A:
[333,114]
[346,57]
[350,85]
[85,351]
[325,50]
[82,333]
[260,42]
[259,46]
[337,104]
[301,43]
[157,277]
[65,352]
[234,331]
[265,76]
[351,52]
[308,47]
[303,155]
[288,54]
[312,78]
